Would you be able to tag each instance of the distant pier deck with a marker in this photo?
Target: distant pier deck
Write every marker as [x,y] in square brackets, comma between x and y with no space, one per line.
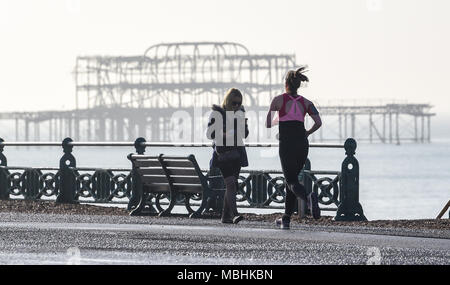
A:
[389,123]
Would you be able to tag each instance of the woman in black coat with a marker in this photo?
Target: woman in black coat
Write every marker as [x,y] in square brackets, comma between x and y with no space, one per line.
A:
[227,126]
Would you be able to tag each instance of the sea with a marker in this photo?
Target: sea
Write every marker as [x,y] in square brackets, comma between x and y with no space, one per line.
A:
[407,181]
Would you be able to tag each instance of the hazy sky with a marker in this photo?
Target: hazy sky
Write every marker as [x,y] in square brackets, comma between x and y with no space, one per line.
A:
[356,49]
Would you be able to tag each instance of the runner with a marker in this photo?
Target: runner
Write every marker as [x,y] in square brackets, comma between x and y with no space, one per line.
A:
[294,145]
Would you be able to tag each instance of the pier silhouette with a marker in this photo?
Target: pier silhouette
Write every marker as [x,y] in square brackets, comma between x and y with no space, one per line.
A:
[120,98]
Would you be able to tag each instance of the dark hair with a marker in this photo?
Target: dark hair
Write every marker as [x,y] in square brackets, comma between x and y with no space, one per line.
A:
[295,78]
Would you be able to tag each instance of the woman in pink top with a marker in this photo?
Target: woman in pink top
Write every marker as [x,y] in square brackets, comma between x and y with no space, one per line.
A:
[294,145]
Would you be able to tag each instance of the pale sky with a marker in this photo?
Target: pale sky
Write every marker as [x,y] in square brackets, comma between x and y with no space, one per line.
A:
[355,49]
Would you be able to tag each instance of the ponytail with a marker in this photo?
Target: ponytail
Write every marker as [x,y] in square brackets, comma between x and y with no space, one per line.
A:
[295,78]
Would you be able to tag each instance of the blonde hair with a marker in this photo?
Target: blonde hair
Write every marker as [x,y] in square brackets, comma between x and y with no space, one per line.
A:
[231,93]
[295,78]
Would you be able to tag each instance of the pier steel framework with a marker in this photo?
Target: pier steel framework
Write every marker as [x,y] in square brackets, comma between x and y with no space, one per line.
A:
[179,75]
[122,97]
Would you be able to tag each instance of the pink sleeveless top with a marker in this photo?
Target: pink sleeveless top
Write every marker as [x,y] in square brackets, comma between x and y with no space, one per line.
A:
[295,113]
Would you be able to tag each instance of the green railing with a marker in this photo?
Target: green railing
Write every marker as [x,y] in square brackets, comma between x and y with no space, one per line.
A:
[337,190]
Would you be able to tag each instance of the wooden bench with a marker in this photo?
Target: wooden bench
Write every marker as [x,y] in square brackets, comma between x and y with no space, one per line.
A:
[172,177]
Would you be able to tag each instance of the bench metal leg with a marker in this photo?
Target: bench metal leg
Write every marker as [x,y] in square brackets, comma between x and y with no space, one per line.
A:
[200,210]
[140,209]
[173,201]
[133,202]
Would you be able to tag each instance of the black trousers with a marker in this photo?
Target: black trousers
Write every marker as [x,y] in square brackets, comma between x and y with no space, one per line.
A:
[293,154]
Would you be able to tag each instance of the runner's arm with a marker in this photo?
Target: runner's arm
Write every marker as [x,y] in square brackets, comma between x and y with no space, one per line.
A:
[314,114]
[274,107]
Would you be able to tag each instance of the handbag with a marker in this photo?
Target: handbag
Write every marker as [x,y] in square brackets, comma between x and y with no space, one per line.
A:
[228,155]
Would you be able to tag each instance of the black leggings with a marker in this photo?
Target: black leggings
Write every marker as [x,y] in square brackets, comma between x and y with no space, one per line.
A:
[293,153]
[230,169]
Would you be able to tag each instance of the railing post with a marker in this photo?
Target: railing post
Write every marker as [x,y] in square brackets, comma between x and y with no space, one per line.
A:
[140,149]
[4,191]
[259,188]
[101,185]
[263,194]
[3,160]
[350,209]
[136,187]
[67,176]
[30,183]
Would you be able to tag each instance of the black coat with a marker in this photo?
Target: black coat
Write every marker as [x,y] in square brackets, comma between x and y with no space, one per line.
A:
[243,153]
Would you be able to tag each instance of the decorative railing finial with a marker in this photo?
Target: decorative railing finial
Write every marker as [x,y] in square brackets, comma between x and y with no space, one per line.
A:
[67,147]
[138,144]
[350,146]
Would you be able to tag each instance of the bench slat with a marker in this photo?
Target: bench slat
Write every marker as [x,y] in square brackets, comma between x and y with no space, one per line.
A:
[146,179]
[164,188]
[147,163]
[180,163]
[186,179]
[186,188]
[182,171]
[143,156]
[158,188]
[151,171]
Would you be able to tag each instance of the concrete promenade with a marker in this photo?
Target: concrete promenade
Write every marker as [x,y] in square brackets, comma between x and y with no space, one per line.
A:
[88,239]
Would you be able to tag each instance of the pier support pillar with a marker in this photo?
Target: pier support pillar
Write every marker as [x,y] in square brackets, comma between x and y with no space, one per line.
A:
[77,128]
[27,130]
[112,130]
[422,138]
[88,129]
[50,129]
[397,131]
[101,129]
[353,125]
[415,129]
[119,126]
[142,126]
[17,130]
[390,127]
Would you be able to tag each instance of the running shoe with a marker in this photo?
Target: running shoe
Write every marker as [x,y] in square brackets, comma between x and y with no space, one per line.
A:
[284,225]
[237,219]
